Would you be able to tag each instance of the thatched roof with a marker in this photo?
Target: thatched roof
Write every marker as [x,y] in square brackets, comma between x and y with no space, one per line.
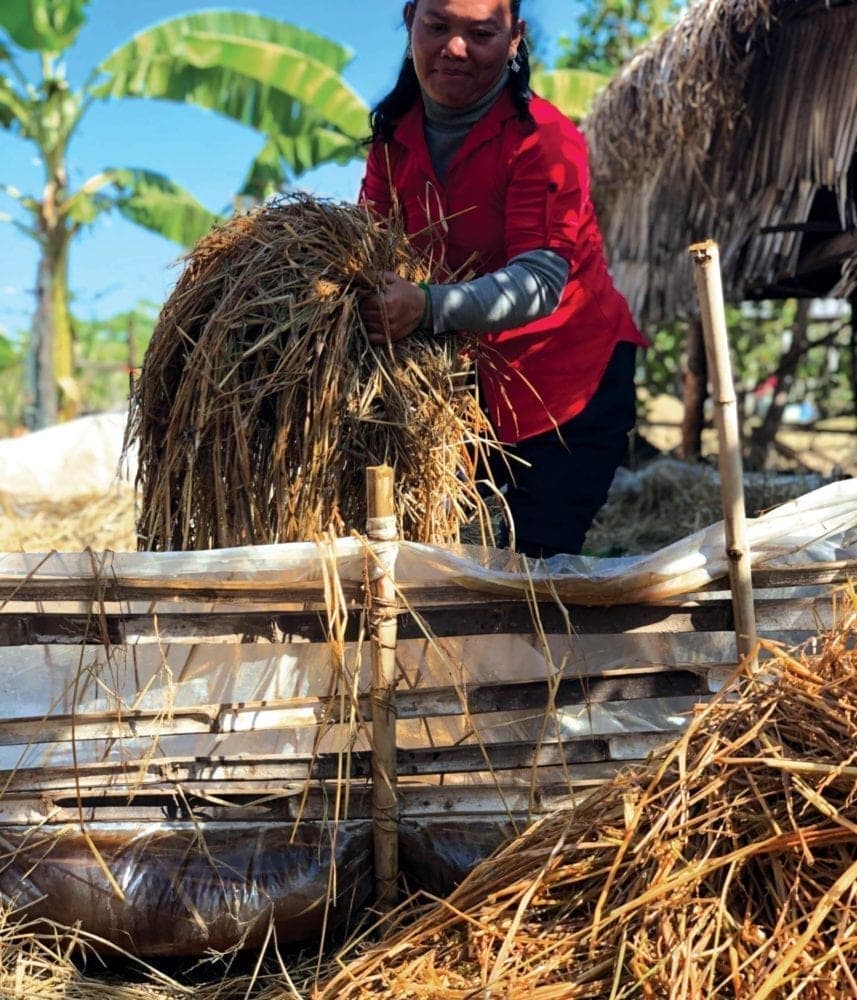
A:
[738,124]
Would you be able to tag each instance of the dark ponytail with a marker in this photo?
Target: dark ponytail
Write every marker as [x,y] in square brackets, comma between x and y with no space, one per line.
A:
[387,112]
[519,83]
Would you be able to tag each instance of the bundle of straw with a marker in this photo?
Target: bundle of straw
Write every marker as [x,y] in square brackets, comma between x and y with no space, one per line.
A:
[260,402]
[726,868]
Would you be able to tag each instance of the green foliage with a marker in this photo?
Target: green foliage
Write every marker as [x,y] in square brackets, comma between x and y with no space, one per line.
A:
[571,90]
[271,76]
[89,201]
[13,108]
[757,336]
[268,174]
[759,333]
[157,203]
[8,353]
[764,331]
[46,25]
[106,350]
[609,31]
[275,77]
[12,361]
[660,366]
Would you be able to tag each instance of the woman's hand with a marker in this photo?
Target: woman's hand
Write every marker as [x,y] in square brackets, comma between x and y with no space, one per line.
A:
[396,312]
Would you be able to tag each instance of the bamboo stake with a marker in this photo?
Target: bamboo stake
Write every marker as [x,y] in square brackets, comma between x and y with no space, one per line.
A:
[706,258]
[381,528]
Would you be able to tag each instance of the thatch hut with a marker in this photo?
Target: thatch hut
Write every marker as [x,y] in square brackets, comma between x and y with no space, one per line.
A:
[738,124]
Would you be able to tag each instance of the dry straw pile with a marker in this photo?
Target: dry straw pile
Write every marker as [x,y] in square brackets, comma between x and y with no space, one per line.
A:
[670,499]
[726,869]
[105,522]
[261,402]
[38,960]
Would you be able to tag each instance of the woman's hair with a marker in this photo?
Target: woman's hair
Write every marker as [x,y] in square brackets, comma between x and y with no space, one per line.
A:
[385,114]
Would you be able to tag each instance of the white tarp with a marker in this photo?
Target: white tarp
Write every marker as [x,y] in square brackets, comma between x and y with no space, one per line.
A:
[71,461]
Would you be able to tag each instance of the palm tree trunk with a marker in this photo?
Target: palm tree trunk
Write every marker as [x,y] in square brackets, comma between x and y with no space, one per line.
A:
[67,387]
[45,410]
[52,348]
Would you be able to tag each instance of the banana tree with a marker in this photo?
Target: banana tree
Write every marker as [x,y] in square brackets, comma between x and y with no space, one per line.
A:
[283,81]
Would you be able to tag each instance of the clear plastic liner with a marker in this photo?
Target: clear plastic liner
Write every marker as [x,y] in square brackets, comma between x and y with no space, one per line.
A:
[437,855]
[183,888]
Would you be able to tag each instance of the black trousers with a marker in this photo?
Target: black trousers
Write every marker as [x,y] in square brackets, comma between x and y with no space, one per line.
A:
[555,497]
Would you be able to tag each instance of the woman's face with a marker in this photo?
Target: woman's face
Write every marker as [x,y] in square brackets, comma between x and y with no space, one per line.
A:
[460,47]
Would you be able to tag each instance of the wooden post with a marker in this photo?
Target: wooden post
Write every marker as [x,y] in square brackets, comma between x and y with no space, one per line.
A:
[694,390]
[706,258]
[381,528]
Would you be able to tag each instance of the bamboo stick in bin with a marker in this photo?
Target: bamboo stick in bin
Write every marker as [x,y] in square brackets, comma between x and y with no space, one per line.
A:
[706,259]
[381,528]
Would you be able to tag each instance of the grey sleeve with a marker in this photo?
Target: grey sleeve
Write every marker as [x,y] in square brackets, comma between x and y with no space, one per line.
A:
[529,287]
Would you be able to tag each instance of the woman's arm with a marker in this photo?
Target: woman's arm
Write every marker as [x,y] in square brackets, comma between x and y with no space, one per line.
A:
[528,288]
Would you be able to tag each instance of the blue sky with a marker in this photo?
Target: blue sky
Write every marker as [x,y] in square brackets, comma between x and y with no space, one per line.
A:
[114,264]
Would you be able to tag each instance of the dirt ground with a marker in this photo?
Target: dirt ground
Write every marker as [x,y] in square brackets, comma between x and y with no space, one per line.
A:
[821,447]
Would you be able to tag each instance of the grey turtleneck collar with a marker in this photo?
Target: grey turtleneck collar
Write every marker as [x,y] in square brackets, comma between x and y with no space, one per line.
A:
[446,128]
[440,114]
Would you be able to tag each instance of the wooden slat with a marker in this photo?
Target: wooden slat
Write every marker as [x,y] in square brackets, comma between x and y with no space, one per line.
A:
[473,618]
[810,575]
[294,713]
[657,683]
[486,800]
[111,590]
[166,773]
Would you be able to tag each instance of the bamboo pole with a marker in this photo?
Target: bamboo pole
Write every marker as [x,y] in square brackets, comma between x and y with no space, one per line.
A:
[381,528]
[706,258]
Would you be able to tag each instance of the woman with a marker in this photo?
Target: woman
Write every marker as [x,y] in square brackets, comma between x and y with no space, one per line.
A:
[492,179]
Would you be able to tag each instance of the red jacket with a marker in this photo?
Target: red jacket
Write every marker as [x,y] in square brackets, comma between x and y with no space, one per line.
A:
[512,188]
